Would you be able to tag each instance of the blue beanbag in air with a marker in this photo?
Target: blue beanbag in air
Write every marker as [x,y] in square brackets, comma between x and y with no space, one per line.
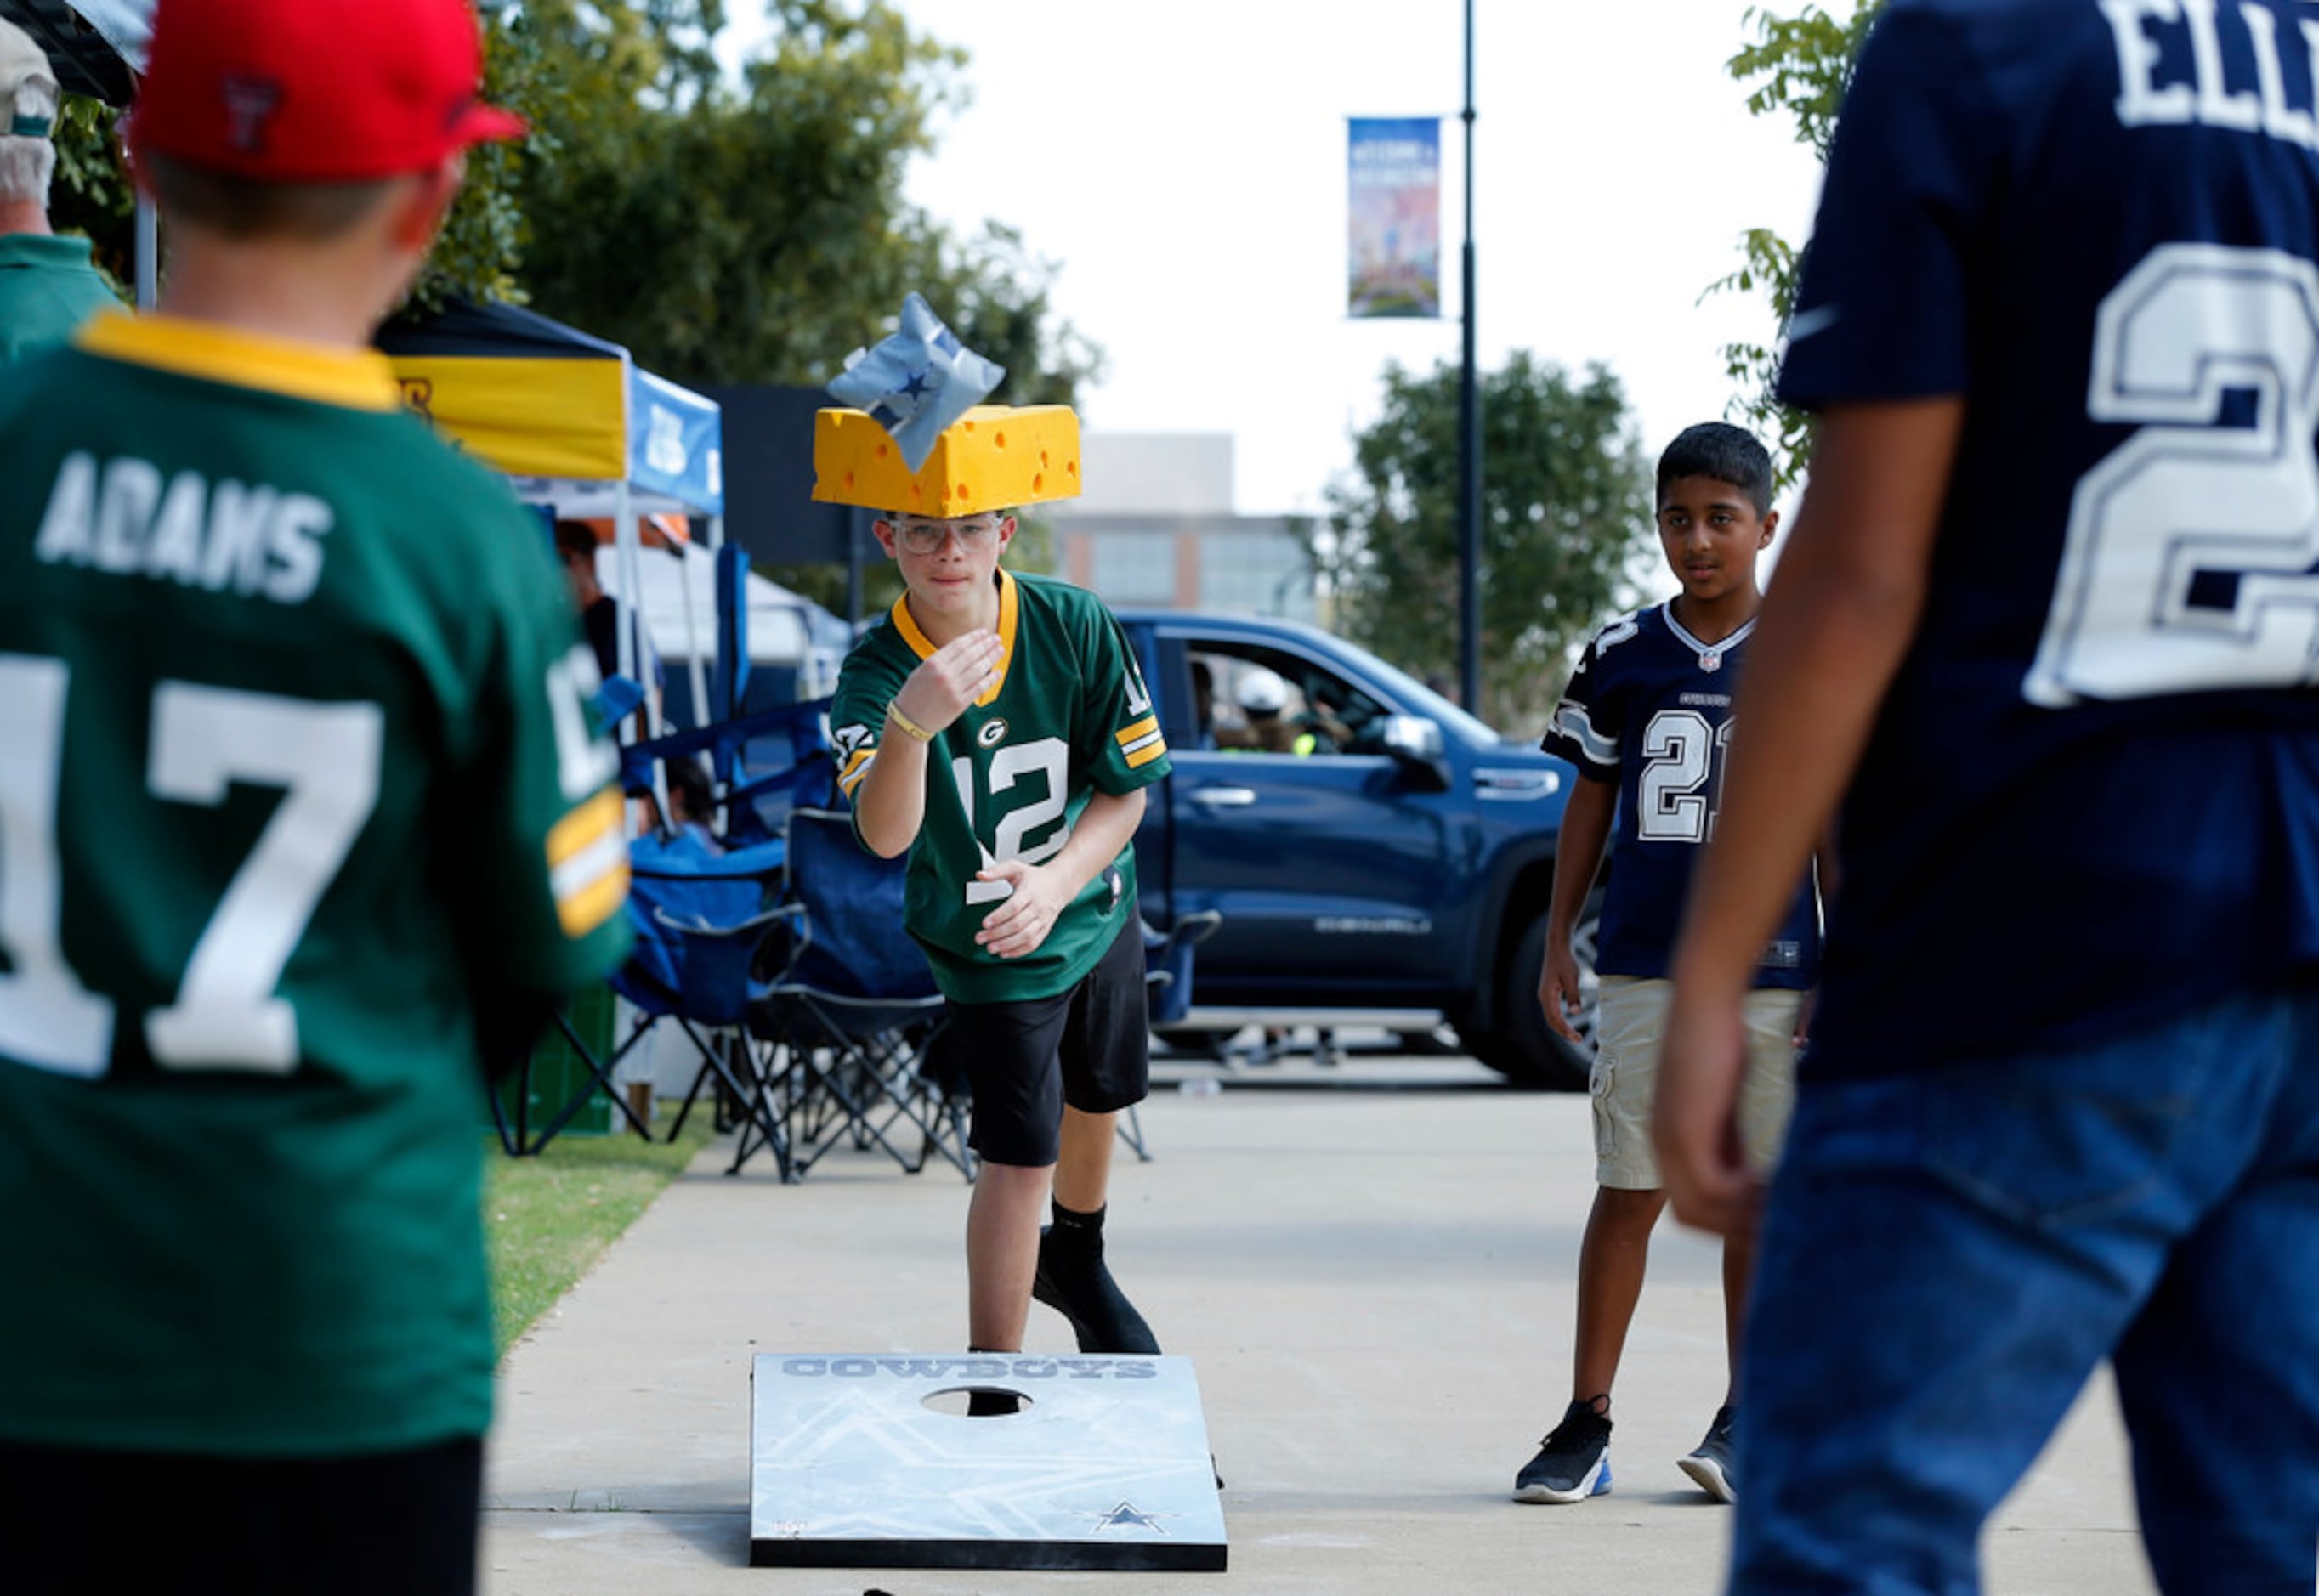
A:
[917,382]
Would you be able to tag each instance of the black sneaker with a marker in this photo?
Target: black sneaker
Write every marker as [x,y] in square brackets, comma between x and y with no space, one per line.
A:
[1075,1283]
[1573,1464]
[1710,1464]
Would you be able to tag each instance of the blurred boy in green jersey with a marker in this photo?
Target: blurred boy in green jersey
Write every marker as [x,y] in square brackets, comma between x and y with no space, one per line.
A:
[301,826]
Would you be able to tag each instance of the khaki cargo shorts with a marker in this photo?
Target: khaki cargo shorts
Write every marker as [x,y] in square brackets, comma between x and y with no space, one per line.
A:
[1626,1078]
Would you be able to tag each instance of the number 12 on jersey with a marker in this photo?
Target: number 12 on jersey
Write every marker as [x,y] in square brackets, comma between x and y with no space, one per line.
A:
[1048,758]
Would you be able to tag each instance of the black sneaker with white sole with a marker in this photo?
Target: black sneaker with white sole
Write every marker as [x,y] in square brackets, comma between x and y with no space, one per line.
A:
[1573,1463]
[1710,1463]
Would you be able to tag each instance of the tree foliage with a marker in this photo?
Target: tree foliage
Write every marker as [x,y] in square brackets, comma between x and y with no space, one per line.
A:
[90,193]
[1565,498]
[1800,67]
[722,232]
[757,231]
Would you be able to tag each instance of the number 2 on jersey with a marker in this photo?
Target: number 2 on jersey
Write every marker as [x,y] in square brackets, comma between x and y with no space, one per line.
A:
[325,758]
[1048,757]
[2189,562]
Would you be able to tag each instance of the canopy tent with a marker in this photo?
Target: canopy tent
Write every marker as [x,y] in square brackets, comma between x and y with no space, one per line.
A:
[93,46]
[784,628]
[567,415]
[576,424]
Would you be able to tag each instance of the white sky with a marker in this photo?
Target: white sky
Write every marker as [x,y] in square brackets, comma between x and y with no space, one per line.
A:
[1185,165]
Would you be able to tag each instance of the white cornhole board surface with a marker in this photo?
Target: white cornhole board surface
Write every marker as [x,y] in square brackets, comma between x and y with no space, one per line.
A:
[1107,1466]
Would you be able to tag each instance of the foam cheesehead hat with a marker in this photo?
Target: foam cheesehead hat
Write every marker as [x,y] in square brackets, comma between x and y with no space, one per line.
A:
[314,91]
[916,440]
[28,87]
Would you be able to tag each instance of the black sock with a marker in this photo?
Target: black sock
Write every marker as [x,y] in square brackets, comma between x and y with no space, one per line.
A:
[1073,1226]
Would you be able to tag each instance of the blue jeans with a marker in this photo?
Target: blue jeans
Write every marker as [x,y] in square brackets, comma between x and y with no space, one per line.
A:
[1947,1258]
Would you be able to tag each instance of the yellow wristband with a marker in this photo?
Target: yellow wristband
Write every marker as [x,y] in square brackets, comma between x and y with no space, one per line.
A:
[908,727]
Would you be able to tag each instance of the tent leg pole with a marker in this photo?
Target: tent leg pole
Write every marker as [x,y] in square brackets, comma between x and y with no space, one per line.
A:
[149,252]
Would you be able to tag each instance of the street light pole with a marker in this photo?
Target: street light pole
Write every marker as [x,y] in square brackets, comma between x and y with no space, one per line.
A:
[1469,444]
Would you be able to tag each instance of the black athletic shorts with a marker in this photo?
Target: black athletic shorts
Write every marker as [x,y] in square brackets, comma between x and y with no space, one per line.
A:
[1089,1046]
[79,1523]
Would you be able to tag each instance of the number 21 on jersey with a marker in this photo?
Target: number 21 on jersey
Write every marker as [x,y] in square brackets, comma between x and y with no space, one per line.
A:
[1683,756]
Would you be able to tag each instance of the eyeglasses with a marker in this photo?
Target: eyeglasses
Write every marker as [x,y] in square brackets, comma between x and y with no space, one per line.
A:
[926,537]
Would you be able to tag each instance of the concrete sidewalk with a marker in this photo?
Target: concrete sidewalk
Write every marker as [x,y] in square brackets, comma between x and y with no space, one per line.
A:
[1373,1267]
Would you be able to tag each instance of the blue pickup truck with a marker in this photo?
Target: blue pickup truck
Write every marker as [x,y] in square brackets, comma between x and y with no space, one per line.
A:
[1391,868]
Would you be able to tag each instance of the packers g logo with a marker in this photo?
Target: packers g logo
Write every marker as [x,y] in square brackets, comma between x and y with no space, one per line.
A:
[992,734]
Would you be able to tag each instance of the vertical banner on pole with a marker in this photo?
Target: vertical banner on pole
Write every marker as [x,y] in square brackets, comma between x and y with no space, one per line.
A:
[1394,217]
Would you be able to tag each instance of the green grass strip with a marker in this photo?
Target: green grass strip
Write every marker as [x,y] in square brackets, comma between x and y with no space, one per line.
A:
[546,1219]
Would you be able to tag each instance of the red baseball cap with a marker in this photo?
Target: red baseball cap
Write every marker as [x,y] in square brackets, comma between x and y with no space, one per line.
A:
[314,91]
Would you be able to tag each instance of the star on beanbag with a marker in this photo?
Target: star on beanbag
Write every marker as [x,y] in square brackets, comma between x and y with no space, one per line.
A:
[917,382]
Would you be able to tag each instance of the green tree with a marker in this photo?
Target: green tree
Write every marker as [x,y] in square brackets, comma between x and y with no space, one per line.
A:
[1566,500]
[1800,67]
[481,249]
[758,233]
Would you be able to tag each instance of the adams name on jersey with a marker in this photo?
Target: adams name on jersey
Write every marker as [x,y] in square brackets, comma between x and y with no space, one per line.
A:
[298,779]
[1649,708]
[1010,778]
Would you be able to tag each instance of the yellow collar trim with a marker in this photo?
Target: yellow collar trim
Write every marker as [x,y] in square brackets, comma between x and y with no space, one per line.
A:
[324,373]
[1010,610]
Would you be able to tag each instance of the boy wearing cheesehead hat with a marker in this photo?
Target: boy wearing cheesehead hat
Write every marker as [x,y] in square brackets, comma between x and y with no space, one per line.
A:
[340,838]
[995,728]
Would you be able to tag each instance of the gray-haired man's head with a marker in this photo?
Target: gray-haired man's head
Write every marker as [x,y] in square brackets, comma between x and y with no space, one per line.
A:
[28,114]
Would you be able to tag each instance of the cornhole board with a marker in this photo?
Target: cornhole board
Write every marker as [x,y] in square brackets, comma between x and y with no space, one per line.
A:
[1107,1467]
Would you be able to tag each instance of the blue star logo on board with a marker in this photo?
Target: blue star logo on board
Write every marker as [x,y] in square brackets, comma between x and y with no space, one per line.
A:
[1128,1515]
[916,386]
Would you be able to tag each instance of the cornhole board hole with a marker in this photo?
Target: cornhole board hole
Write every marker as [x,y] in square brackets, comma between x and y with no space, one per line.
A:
[855,1462]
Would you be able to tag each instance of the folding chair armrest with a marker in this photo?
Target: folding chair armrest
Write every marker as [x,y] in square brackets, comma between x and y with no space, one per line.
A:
[1188,931]
[697,928]
[1196,927]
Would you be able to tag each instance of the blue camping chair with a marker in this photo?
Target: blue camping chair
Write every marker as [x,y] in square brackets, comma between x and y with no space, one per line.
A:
[850,1021]
[1168,991]
[847,1014]
[699,917]
[761,767]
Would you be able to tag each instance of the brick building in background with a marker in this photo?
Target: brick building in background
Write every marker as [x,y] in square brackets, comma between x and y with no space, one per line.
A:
[1156,526]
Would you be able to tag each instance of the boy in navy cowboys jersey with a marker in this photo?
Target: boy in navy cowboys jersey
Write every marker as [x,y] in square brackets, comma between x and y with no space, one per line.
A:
[1646,719]
[2046,629]
[995,728]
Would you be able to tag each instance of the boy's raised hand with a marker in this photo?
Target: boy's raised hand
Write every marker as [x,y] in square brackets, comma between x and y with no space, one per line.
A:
[1557,988]
[950,679]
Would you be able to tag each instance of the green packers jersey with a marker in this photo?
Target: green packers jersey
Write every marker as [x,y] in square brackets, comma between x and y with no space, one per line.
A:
[1009,778]
[297,777]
